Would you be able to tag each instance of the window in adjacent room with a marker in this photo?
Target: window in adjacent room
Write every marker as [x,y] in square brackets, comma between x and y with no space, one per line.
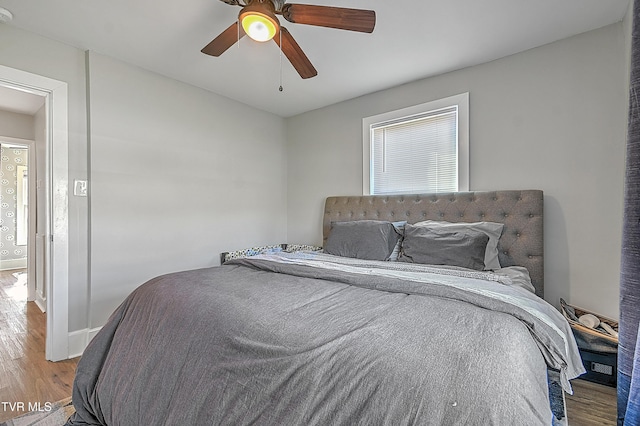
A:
[420,149]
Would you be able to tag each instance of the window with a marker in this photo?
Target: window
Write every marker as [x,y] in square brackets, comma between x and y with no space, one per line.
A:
[420,149]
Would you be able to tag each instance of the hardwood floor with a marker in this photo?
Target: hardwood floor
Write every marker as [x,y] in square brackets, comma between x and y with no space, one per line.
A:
[25,375]
[591,404]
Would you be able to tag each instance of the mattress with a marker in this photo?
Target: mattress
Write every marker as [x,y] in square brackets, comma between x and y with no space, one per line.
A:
[313,339]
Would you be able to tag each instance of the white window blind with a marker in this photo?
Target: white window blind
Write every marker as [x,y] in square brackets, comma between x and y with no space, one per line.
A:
[416,154]
[419,149]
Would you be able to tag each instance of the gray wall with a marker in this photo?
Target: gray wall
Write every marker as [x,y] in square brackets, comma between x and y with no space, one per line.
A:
[16,125]
[551,118]
[178,175]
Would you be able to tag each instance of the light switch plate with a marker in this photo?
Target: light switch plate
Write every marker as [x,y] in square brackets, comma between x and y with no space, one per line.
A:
[80,188]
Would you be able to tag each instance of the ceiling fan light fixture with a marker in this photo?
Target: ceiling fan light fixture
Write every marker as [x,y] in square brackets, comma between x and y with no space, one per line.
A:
[259,23]
[257,19]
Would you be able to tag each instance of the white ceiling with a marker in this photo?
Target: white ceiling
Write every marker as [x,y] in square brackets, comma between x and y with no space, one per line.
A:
[413,39]
[20,102]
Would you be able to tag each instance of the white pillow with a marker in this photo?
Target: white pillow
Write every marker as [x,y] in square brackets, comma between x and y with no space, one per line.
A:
[492,229]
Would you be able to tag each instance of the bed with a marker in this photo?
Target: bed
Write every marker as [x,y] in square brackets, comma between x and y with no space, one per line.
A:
[345,336]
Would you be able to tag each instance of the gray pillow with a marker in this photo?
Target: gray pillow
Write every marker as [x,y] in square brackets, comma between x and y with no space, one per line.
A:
[465,248]
[492,229]
[362,239]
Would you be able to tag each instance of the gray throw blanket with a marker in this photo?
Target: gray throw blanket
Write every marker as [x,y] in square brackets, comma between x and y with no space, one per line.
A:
[287,340]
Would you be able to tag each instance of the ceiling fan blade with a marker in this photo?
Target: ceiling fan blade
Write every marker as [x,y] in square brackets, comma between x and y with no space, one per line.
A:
[333,17]
[225,40]
[294,53]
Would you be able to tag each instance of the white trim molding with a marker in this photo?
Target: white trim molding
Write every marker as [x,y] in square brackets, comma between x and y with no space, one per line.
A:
[31,238]
[9,264]
[41,302]
[78,340]
[461,101]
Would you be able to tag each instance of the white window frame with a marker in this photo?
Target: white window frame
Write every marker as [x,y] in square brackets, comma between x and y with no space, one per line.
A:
[461,100]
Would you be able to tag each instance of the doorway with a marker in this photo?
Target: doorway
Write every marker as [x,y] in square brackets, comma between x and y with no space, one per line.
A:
[18,248]
[54,204]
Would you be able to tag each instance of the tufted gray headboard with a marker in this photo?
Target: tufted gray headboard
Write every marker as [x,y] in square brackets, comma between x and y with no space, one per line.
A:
[521,242]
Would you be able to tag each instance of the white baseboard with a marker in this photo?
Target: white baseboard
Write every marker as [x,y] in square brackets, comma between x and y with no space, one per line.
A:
[8,264]
[41,302]
[92,333]
[78,340]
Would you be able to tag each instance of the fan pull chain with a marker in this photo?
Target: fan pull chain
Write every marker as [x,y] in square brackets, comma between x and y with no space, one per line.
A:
[280,88]
[239,23]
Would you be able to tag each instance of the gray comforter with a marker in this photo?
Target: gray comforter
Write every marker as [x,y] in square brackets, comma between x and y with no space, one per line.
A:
[293,340]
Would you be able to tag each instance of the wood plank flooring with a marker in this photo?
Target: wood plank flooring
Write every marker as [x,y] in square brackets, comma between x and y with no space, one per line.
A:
[25,375]
[591,404]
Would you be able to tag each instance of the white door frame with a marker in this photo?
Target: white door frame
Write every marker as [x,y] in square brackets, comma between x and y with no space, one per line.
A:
[31,236]
[57,210]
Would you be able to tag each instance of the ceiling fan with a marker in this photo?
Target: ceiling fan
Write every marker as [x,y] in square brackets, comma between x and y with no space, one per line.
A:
[258,19]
